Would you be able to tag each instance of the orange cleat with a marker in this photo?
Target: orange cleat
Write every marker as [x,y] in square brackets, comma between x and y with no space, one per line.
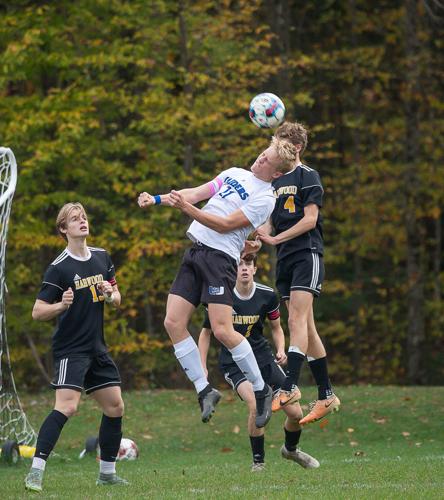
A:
[283,398]
[320,408]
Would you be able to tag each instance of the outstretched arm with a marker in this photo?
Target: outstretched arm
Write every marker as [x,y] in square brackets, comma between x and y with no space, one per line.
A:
[307,223]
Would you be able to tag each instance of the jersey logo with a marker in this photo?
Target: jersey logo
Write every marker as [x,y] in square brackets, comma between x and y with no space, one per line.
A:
[77,277]
[233,186]
[216,290]
[88,282]
[286,190]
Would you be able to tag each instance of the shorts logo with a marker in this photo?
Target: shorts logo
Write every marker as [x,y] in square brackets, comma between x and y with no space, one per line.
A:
[216,290]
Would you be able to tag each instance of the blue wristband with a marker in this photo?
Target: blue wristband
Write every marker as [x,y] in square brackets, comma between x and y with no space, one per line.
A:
[157,199]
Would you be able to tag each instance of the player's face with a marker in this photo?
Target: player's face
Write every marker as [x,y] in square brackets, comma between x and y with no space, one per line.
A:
[267,164]
[77,224]
[245,272]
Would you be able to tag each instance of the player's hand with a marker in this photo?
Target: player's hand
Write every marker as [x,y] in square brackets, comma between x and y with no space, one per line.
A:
[251,246]
[281,358]
[177,200]
[105,288]
[145,200]
[266,238]
[68,298]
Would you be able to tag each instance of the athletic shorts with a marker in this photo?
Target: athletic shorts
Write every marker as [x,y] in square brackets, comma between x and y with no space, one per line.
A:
[300,271]
[88,373]
[206,276]
[272,374]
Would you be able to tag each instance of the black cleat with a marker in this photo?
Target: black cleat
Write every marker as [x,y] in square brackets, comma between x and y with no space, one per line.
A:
[263,406]
[208,399]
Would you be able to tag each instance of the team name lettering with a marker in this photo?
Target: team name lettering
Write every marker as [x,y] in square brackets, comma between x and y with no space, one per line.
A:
[237,186]
[245,320]
[286,190]
[87,282]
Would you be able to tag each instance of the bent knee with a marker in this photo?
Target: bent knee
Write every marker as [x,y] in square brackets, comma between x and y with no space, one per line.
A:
[68,409]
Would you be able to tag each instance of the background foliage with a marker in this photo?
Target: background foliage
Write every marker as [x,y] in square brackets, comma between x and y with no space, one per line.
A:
[103,99]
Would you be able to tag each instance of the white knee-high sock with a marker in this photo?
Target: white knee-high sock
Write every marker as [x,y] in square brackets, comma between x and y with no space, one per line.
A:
[244,358]
[187,354]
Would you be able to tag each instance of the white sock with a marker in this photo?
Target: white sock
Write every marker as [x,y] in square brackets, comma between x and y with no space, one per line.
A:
[244,358]
[187,353]
[295,348]
[107,467]
[38,463]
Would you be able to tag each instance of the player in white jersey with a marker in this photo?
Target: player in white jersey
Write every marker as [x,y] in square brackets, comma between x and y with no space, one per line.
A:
[239,202]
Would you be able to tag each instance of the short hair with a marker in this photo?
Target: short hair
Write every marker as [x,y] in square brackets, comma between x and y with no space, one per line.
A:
[251,257]
[64,213]
[295,133]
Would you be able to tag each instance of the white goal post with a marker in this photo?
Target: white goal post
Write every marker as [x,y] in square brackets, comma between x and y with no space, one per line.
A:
[13,422]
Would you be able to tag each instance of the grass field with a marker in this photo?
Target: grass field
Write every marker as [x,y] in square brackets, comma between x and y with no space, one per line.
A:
[387,442]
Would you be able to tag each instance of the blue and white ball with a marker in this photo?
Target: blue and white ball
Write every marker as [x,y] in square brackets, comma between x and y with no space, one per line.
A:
[267,110]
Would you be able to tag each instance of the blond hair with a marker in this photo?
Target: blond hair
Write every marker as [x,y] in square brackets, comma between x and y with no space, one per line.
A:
[295,133]
[287,153]
[64,213]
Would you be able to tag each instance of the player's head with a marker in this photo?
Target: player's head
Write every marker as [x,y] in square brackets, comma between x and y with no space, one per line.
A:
[72,221]
[295,133]
[246,269]
[280,157]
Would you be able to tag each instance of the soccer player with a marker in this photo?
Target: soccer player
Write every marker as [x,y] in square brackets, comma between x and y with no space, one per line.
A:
[75,287]
[297,223]
[239,202]
[253,303]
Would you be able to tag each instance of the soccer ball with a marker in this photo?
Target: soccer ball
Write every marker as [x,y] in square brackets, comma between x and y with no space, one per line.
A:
[267,110]
[128,450]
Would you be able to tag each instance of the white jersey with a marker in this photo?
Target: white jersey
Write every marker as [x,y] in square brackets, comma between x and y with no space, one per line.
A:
[237,189]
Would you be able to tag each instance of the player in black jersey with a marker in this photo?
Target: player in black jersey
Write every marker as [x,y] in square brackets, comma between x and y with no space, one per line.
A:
[297,223]
[253,304]
[74,289]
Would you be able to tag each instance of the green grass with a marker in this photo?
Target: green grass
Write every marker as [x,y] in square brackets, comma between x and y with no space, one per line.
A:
[386,442]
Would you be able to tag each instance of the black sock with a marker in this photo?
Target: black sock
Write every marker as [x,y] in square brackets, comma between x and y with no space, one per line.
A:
[320,373]
[258,448]
[292,439]
[295,360]
[49,434]
[205,391]
[110,435]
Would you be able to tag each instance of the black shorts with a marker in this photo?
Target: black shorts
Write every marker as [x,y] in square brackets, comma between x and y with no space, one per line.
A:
[85,372]
[272,374]
[300,271]
[206,276]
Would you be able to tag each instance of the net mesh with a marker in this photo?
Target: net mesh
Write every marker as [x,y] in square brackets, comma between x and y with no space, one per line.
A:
[13,422]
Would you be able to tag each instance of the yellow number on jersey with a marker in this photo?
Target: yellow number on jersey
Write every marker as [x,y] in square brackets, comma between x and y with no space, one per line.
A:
[96,298]
[289,204]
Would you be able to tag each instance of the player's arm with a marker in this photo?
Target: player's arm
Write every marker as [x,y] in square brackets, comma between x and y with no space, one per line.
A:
[43,311]
[235,220]
[266,229]
[110,292]
[190,195]
[204,346]
[278,340]
[308,222]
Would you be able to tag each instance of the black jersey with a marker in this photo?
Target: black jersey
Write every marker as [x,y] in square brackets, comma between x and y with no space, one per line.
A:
[249,315]
[294,191]
[80,328]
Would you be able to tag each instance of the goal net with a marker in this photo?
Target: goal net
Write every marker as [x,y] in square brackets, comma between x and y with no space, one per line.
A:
[13,422]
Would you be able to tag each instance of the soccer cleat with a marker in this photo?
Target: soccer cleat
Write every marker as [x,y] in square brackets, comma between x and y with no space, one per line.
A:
[208,403]
[320,408]
[34,479]
[303,459]
[276,402]
[110,480]
[288,397]
[263,406]
[257,467]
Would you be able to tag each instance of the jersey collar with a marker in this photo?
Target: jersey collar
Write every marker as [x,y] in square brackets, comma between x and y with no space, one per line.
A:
[291,171]
[242,297]
[76,257]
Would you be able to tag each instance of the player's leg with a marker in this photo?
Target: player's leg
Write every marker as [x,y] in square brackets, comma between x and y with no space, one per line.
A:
[178,314]
[110,433]
[327,401]
[257,437]
[67,401]
[221,319]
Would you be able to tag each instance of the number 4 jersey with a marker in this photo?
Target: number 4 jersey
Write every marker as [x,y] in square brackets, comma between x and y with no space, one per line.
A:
[294,191]
[80,328]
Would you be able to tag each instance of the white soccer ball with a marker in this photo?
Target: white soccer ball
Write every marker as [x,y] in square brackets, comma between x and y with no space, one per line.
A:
[267,110]
[128,450]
